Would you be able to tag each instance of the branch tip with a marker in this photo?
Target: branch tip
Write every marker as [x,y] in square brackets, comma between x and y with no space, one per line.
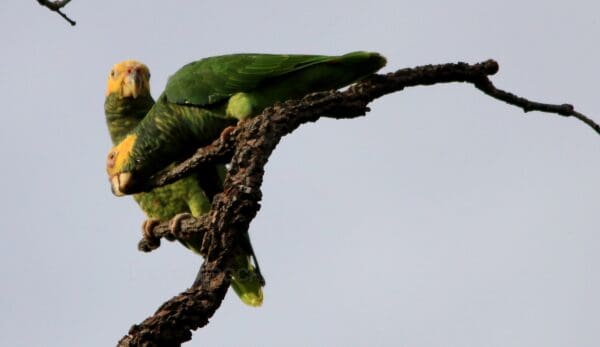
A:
[56,6]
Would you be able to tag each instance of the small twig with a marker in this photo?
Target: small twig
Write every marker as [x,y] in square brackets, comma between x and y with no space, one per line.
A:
[565,110]
[56,6]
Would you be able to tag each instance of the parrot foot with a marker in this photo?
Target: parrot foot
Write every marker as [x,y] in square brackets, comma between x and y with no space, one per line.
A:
[225,133]
[149,241]
[175,223]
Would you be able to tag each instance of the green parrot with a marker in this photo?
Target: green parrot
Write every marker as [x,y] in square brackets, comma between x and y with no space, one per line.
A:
[127,102]
[207,96]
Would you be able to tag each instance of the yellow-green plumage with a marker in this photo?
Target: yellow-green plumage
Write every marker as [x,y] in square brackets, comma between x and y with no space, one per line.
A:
[205,96]
[184,196]
[208,95]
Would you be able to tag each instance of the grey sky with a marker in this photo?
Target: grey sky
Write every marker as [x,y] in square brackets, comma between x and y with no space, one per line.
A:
[443,218]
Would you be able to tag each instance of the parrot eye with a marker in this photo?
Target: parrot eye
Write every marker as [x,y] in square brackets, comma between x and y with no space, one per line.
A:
[110,161]
[112,73]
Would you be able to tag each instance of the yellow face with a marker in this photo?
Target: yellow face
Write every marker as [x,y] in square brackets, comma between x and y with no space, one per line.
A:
[117,158]
[129,79]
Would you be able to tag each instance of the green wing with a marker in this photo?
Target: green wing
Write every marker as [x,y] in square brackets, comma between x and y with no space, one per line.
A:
[211,80]
[198,104]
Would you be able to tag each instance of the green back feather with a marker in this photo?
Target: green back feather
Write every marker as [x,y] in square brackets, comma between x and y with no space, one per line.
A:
[191,114]
[171,132]
[212,80]
[191,111]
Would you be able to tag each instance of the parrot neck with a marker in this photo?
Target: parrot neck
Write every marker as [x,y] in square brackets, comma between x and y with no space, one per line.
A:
[124,114]
[170,133]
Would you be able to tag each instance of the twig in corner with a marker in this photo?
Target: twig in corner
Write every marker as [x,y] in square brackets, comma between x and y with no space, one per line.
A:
[56,6]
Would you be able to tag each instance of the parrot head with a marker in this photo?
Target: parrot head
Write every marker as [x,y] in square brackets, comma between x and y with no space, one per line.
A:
[119,164]
[131,163]
[129,79]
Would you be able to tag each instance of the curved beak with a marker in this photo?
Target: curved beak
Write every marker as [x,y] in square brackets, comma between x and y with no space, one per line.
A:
[120,183]
[133,83]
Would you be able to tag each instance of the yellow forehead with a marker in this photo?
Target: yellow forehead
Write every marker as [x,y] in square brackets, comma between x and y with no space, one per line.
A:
[120,70]
[129,64]
[120,154]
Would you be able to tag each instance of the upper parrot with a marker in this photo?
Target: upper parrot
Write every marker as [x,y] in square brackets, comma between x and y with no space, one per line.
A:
[206,96]
[128,98]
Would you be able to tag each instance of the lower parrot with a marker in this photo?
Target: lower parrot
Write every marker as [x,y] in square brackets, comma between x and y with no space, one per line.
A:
[127,102]
[204,97]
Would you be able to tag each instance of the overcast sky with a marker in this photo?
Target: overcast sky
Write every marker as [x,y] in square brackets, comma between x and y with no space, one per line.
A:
[443,218]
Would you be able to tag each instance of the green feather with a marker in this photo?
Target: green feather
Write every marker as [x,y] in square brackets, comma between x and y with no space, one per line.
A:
[191,194]
[203,98]
[124,114]
[171,132]
[215,79]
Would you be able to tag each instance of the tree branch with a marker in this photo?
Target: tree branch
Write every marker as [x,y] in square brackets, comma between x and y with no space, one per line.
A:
[56,6]
[249,147]
[565,110]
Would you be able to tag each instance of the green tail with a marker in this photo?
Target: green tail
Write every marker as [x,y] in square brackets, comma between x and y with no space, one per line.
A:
[246,279]
[247,282]
[351,67]
[326,73]
[334,73]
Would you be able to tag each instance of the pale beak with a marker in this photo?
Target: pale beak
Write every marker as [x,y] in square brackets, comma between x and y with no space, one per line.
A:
[120,182]
[133,84]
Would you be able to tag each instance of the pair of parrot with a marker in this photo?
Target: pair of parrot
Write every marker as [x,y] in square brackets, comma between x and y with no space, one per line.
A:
[199,101]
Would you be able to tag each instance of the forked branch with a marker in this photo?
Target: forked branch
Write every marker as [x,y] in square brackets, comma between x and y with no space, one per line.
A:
[248,148]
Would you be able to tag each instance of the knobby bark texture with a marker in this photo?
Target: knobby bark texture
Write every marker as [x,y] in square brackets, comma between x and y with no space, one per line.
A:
[247,148]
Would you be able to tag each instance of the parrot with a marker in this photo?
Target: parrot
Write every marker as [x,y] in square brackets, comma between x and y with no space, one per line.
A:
[128,100]
[205,97]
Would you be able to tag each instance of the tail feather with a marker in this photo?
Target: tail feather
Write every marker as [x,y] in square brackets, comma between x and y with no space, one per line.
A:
[333,73]
[362,63]
[247,282]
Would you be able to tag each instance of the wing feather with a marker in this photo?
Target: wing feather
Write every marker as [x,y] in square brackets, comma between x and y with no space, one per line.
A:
[211,80]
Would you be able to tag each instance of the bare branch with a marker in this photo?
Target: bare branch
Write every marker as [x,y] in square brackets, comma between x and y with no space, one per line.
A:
[56,6]
[249,147]
[565,110]
[355,102]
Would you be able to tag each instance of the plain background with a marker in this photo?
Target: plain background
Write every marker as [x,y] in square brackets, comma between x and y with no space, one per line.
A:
[443,218]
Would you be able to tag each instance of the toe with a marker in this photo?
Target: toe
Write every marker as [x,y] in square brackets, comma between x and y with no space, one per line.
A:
[175,223]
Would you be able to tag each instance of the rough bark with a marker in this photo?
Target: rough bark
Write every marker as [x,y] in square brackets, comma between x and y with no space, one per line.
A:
[248,148]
